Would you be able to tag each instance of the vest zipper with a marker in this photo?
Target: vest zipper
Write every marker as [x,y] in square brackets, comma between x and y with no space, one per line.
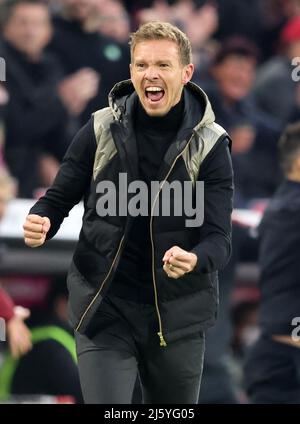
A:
[160,333]
[162,341]
[103,282]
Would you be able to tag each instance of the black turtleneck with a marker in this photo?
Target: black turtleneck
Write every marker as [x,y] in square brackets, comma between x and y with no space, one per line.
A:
[154,134]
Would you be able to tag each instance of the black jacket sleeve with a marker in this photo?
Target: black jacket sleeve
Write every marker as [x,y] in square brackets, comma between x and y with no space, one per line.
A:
[72,180]
[214,248]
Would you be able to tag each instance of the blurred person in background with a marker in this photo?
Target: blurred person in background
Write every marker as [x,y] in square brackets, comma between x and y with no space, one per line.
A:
[40,360]
[201,25]
[218,386]
[50,367]
[198,19]
[245,332]
[275,14]
[8,189]
[244,316]
[219,381]
[247,15]
[114,21]
[253,133]
[80,47]
[18,335]
[239,18]
[3,102]
[272,369]
[159,10]
[233,73]
[40,103]
[275,89]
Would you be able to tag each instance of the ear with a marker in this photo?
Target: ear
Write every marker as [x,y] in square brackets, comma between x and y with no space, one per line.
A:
[187,73]
[130,70]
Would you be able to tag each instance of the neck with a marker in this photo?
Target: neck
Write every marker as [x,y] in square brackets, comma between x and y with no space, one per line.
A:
[29,55]
[171,120]
[33,57]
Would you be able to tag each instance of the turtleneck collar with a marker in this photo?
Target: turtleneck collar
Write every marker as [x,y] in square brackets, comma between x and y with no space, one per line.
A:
[171,120]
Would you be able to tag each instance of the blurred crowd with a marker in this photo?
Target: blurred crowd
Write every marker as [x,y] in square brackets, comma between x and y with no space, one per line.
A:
[64,56]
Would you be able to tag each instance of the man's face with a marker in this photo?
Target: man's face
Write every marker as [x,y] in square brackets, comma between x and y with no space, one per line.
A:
[235,76]
[158,75]
[29,28]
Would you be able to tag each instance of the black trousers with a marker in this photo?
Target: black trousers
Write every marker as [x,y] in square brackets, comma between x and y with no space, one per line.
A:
[122,344]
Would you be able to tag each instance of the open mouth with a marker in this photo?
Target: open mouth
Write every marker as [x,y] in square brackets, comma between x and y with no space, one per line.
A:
[154,94]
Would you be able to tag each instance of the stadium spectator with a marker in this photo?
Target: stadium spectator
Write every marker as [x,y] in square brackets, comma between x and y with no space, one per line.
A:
[114,21]
[3,101]
[17,333]
[80,46]
[253,133]
[37,115]
[247,22]
[50,367]
[275,88]
[272,368]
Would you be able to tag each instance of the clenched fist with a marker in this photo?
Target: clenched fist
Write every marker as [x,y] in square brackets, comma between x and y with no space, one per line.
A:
[35,230]
[178,262]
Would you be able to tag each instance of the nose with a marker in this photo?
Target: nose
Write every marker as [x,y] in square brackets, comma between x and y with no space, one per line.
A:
[152,73]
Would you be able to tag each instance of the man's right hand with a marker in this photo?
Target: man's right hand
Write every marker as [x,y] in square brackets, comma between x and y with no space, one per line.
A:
[35,230]
[19,336]
[78,89]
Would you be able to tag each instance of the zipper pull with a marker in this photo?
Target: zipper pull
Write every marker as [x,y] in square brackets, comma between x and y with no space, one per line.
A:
[162,340]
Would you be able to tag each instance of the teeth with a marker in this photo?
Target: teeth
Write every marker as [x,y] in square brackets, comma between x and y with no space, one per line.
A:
[155,89]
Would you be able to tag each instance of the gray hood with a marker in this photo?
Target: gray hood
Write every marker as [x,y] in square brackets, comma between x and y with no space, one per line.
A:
[198,110]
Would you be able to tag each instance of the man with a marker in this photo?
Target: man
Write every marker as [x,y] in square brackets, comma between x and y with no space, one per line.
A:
[3,103]
[115,21]
[79,45]
[144,288]
[19,338]
[273,366]
[37,115]
[50,367]
[277,80]
[18,334]
[254,134]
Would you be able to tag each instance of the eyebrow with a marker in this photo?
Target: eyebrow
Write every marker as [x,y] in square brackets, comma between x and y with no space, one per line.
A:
[158,62]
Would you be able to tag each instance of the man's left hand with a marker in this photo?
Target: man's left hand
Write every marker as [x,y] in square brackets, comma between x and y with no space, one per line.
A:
[178,262]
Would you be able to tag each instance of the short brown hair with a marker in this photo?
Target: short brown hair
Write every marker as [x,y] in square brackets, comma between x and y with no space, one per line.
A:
[7,8]
[237,46]
[289,147]
[163,31]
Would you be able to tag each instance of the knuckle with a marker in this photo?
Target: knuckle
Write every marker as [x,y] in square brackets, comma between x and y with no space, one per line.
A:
[27,241]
